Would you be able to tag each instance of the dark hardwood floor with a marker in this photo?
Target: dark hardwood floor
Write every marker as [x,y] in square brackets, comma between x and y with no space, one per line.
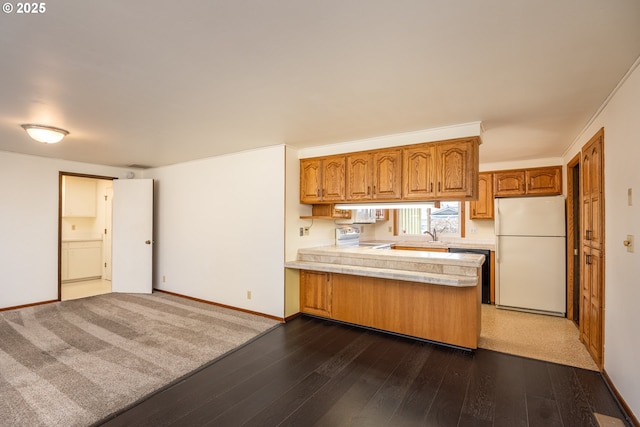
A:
[314,372]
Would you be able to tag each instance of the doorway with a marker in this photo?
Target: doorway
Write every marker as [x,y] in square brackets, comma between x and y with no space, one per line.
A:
[84,235]
[573,239]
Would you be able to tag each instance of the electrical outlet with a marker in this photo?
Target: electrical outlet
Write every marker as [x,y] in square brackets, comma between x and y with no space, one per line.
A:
[390,229]
[301,231]
[164,279]
[73,227]
[306,231]
[248,294]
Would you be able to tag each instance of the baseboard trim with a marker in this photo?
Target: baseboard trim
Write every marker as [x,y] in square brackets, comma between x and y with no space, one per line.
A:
[29,305]
[268,316]
[627,410]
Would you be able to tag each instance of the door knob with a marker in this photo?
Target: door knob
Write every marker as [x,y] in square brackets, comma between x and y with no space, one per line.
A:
[148,242]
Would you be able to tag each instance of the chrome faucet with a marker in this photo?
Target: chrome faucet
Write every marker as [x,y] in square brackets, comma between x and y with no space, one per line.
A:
[434,234]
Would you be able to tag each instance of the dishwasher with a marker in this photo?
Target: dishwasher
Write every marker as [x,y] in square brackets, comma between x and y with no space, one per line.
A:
[486,270]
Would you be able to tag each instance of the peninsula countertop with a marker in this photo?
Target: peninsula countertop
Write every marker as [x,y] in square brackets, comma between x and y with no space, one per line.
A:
[448,269]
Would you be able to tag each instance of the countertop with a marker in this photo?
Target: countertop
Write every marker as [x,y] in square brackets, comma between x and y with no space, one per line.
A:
[441,268]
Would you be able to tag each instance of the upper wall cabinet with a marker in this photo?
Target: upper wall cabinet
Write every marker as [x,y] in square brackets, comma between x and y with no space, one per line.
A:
[322,179]
[457,170]
[374,175]
[483,207]
[419,172]
[78,196]
[446,170]
[522,182]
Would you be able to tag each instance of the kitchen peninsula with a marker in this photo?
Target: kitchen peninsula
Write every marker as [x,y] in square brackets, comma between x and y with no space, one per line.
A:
[428,295]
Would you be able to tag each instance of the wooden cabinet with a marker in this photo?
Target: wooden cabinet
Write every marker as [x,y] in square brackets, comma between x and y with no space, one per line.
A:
[310,180]
[419,172]
[322,179]
[333,184]
[545,181]
[359,176]
[592,265]
[591,302]
[444,170]
[387,175]
[508,183]
[457,170]
[79,196]
[373,175]
[447,314]
[328,211]
[315,293]
[439,170]
[483,207]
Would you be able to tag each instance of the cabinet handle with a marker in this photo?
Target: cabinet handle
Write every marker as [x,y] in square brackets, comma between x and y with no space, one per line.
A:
[439,189]
[318,192]
[368,190]
[588,235]
[374,189]
[587,259]
[431,187]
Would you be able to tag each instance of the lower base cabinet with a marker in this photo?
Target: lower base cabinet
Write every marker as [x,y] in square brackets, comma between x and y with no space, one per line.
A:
[81,260]
[445,314]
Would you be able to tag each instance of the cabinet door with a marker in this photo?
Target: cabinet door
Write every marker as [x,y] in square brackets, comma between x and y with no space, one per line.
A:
[84,260]
[508,183]
[547,181]
[310,180]
[333,179]
[315,293]
[591,320]
[387,175]
[419,173]
[79,197]
[456,174]
[359,176]
[483,207]
[592,195]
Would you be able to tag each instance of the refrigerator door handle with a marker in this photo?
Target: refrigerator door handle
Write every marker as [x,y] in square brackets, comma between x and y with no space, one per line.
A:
[497,260]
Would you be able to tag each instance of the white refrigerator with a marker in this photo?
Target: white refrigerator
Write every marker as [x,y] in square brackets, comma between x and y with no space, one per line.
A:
[531,254]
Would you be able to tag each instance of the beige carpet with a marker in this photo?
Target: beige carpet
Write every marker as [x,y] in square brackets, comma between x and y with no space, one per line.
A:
[72,363]
[549,338]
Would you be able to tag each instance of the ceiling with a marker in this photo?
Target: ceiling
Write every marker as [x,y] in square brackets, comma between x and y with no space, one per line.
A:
[160,82]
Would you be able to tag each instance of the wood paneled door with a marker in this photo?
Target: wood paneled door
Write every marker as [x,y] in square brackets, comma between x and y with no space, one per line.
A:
[592,264]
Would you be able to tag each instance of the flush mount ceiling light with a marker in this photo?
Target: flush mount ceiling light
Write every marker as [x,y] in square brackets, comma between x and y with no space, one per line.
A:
[45,134]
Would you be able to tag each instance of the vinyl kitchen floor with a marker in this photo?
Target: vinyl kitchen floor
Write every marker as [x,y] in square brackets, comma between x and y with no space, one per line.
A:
[85,288]
[549,338]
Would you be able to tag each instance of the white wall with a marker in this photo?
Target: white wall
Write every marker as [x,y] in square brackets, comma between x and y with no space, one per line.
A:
[619,117]
[219,229]
[29,225]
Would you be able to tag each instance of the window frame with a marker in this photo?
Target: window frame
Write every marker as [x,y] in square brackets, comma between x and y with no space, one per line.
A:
[461,218]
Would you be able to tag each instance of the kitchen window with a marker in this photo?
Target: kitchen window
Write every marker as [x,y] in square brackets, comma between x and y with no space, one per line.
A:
[445,218]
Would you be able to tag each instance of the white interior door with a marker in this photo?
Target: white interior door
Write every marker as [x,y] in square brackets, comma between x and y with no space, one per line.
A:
[132,240]
[106,241]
